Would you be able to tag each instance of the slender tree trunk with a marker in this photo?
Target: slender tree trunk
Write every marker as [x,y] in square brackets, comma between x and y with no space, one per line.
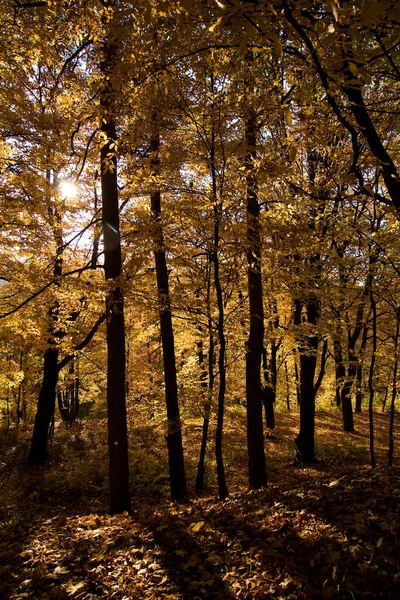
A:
[322,366]
[206,418]
[352,337]
[207,388]
[296,377]
[269,389]
[270,368]
[394,390]
[222,487]
[174,431]
[385,399]
[359,388]
[116,356]
[255,344]
[347,409]
[217,207]
[19,409]
[371,368]
[287,386]
[340,371]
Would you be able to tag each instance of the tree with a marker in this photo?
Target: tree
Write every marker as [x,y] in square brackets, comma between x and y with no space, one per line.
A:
[116,407]
[174,427]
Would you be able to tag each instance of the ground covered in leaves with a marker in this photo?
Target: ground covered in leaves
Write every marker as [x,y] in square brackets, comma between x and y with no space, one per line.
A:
[331,530]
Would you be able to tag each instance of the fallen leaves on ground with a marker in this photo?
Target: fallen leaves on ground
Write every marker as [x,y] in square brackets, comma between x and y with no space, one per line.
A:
[326,532]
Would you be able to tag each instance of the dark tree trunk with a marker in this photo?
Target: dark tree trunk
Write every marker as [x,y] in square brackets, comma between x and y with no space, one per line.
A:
[297,377]
[270,367]
[352,337]
[385,399]
[287,386]
[347,409]
[322,367]
[116,356]
[45,409]
[308,345]
[207,388]
[222,487]
[96,233]
[394,390]
[371,382]
[174,431]
[255,437]
[207,395]
[372,261]
[340,370]
[359,373]
[20,392]
[269,389]
[217,208]
[255,344]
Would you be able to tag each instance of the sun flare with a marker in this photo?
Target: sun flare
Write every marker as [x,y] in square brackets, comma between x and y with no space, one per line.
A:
[68,189]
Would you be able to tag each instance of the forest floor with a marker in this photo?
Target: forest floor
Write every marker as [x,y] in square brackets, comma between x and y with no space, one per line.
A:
[329,530]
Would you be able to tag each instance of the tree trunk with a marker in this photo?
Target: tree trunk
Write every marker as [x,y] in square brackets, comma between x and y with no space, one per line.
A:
[46,406]
[347,408]
[372,260]
[116,358]
[359,390]
[207,395]
[340,370]
[20,392]
[174,428]
[287,386]
[222,487]
[394,390]
[255,344]
[269,389]
[308,345]
[217,208]
[297,377]
[47,394]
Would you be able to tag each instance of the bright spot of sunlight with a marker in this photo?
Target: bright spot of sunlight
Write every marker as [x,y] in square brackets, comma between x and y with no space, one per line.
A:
[68,189]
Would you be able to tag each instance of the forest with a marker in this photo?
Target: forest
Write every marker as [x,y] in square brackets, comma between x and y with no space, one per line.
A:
[199,299]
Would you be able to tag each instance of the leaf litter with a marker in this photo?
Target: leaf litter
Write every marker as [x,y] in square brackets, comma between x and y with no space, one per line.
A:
[324,531]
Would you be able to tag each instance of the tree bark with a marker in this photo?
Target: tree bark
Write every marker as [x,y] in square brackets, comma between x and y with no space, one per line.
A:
[359,374]
[174,427]
[255,344]
[116,356]
[394,390]
[269,389]
[206,390]
[372,260]
[46,406]
[308,345]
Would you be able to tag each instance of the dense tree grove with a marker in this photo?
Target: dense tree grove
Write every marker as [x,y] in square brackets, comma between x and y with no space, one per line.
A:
[200,209]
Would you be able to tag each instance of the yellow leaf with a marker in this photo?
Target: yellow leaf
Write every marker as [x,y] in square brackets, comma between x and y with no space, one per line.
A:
[216,24]
[197,526]
[353,68]
[292,153]
[288,116]
[379,543]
